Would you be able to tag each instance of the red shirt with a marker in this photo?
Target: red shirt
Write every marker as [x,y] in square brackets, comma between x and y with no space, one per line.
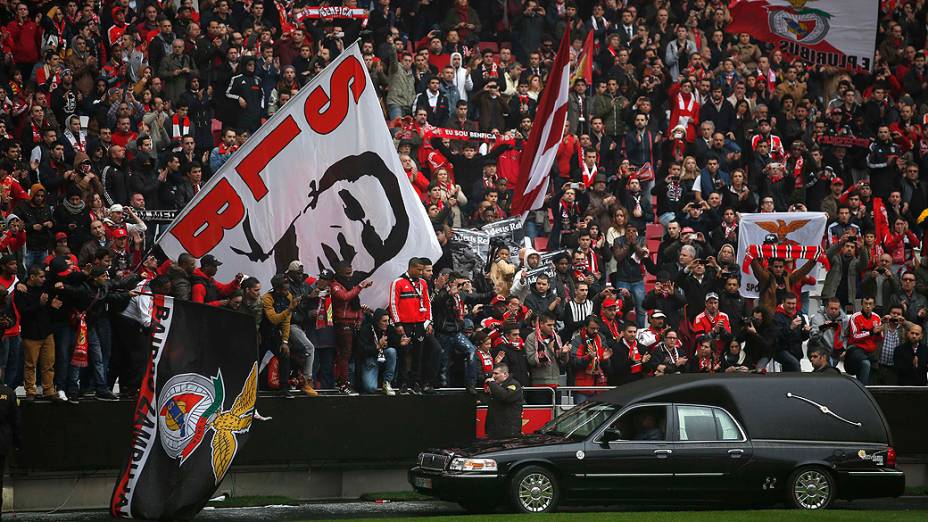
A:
[860,327]
[409,300]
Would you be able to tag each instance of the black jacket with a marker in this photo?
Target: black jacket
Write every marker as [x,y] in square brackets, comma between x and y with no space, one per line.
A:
[909,374]
[116,183]
[34,316]
[504,415]
[517,361]
[97,301]
[365,342]
[78,235]
[32,215]
[789,339]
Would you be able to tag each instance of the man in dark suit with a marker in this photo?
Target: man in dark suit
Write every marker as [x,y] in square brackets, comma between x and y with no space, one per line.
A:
[504,415]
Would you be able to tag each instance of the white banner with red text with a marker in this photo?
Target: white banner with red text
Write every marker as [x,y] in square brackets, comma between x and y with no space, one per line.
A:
[319,183]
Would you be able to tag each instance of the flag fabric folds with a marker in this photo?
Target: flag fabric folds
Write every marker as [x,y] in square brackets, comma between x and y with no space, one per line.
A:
[539,152]
[320,182]
[839,33]
[194,411]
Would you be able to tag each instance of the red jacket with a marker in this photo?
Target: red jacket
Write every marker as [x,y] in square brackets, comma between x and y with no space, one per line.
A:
[409,300]
[199,291]
[346,307]
[24,38]
[860,327]
[703,324]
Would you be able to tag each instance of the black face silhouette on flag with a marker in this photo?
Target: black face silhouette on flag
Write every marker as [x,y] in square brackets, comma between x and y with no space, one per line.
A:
[350,170]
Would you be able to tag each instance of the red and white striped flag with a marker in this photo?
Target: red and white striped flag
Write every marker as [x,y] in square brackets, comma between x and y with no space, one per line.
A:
[547,131]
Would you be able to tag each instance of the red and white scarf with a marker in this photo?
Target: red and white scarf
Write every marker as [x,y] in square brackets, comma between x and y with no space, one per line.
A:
[223,149]
[324,313]
[633,355]
[180,128]
[784,252]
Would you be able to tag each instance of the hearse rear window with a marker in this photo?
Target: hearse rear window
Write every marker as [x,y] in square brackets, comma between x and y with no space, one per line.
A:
[698,423]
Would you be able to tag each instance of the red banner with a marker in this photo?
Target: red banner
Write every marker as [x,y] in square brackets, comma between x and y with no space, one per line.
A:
[456,134]
[843,141]
[331,13]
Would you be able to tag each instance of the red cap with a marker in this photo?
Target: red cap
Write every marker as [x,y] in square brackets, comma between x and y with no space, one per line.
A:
[497,299]
[837,181]
[609,302]
[60,236]
[119,232]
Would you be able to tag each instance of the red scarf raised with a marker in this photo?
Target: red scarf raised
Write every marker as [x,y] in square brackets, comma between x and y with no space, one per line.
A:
[784,252]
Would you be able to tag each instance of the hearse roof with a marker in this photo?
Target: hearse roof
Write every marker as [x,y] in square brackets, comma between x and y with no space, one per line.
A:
[794,406]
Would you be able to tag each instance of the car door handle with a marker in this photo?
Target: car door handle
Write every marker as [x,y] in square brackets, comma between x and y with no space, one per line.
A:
[735,453]
[663,453]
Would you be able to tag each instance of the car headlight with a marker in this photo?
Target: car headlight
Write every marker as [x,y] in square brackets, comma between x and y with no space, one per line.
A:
[473,465]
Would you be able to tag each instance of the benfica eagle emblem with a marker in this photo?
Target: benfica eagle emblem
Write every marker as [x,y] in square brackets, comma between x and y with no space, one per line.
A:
[190,404]
[799,23]
[782,229]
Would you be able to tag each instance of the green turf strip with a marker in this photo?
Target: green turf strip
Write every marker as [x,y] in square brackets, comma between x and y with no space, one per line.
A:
[777,515]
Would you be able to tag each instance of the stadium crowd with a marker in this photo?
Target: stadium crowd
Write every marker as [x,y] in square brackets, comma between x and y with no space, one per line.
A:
[114,110]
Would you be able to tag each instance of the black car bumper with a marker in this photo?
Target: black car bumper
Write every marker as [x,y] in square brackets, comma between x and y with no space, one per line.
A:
[884,482]
[457,487]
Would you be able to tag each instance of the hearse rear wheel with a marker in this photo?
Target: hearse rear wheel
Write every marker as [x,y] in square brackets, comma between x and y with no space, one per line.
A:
[811,487]
[534,489]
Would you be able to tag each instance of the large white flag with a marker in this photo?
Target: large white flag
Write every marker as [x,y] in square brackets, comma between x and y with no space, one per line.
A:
[790,228]
[320,182]
[840,33]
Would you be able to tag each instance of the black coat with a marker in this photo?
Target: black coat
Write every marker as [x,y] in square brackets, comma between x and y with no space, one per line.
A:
[32,215]
[77,235]
[34,316]
[517,362]
[116,184]
[504,415]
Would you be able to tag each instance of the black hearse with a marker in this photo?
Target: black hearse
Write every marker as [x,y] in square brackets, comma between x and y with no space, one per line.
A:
[805,439]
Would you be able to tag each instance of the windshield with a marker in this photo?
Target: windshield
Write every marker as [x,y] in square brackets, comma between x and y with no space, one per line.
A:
[580,421]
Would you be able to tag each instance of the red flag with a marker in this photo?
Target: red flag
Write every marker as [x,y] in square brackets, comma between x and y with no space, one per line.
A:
[880,220]
[585,62]
[547,130]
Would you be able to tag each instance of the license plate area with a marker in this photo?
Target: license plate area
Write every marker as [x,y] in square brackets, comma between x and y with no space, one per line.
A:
[422,482]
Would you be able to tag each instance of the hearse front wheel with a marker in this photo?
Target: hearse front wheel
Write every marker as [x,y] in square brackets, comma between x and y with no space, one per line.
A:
[534,489]
[810,487]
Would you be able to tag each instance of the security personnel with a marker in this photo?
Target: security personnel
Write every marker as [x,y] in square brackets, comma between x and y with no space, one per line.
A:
[504,415]
[9,428]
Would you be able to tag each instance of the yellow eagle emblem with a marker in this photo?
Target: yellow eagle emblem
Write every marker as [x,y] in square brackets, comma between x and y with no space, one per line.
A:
[226,424]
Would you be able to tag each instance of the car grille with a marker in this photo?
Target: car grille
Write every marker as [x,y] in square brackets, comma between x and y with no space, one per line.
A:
[433,462]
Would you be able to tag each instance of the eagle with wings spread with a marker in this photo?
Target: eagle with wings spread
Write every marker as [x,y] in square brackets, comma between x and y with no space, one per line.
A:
[235,420]
[782,229]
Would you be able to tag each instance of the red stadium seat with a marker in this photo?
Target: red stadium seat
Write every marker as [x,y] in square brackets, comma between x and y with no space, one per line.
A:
[489,45]
[654,231]
[541,244]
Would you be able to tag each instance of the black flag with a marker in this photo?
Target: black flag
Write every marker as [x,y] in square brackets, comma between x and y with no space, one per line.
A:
[194,411]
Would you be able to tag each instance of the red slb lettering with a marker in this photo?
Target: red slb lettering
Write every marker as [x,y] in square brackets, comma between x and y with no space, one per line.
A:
[325,121]
[249,169]
[203,227]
